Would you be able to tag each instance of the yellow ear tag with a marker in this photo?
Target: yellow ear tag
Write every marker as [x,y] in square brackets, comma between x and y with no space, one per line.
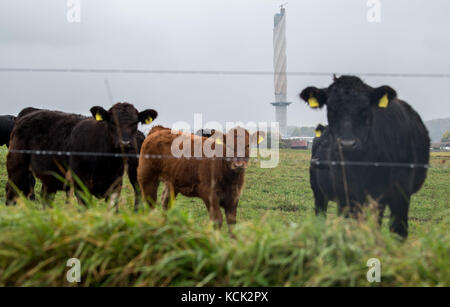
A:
[149,121]
[260,140]
[313,103]
[318,133]
[98,117]
[219,142]
[384,102]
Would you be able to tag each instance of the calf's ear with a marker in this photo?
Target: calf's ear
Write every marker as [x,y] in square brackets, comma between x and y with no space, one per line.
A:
[319,130]
[316,98]
[382,96]
[100,114]
[148,116]
[258,137]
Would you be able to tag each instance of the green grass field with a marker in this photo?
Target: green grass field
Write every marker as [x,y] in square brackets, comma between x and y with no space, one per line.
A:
[279,241]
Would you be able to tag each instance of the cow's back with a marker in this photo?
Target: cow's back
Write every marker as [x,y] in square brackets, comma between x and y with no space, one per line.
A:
[158,160]
[44,131]
[6,127]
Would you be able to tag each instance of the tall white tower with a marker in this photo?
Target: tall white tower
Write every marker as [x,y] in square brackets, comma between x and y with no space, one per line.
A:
[280,68]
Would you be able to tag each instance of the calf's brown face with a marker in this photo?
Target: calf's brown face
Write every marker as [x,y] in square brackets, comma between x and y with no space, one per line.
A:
[236,146]
[122,120]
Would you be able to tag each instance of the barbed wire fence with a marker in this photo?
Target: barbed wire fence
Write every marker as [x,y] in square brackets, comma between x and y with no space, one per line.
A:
[376,164]
[222,73]
[298,162]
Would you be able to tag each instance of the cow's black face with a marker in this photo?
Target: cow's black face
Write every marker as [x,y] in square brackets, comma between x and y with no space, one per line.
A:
[350,106]
[122,120]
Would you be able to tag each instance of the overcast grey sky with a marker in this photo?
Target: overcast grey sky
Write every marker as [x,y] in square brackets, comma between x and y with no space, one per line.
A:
[322,35]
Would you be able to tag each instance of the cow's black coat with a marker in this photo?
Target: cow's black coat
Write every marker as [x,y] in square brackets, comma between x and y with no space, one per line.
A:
[362,130]
[116,132]
[6,127]
[39,130]
[27,111]
[58,131]
[320,180]
[207,133]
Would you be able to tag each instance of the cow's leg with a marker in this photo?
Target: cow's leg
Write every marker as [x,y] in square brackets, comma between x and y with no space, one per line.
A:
[399,206]
[137,197]
[19,177]
[132,175]
[321,203]
[113,200]
[230,213]
[343,209]
[213,205]
[32,184]
[113,194]
[168,196]
[149,190]
[48,195]
[381,209]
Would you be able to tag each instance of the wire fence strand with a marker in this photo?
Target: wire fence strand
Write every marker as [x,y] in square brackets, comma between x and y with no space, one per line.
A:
[221,72]
[313,162]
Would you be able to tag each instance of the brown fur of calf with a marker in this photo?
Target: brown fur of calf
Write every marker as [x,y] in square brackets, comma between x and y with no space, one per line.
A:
[218,182]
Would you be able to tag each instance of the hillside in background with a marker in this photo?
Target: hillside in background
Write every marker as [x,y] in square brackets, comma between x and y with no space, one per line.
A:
[437,127]
[300,131]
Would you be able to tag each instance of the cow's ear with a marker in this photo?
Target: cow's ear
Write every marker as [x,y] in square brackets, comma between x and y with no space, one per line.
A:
[219,137]
[148,116]
[100,114]
[316,98]
[319,130]
[258,137]
[383,96]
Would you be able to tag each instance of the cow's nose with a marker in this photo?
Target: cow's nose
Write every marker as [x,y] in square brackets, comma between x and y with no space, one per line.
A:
[348,143]
[126,143]
[239,164]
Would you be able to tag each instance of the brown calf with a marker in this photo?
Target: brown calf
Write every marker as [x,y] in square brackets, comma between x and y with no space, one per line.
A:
[217,179]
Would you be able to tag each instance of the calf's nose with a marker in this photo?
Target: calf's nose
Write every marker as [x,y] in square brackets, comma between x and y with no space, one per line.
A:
[126,143]
[239,164]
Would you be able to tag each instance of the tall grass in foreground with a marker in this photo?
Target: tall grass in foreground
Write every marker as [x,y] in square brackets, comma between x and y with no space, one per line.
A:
[172,249]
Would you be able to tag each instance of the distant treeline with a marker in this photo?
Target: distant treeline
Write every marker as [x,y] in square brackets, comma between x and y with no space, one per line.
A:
[437,128]
[293,131]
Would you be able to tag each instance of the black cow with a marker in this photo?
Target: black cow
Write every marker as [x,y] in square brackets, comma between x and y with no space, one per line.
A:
[6,127]
[53,131]
[27,111]
[369,124]
[319,174]
[113,131]
[38,130]
[207,133]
